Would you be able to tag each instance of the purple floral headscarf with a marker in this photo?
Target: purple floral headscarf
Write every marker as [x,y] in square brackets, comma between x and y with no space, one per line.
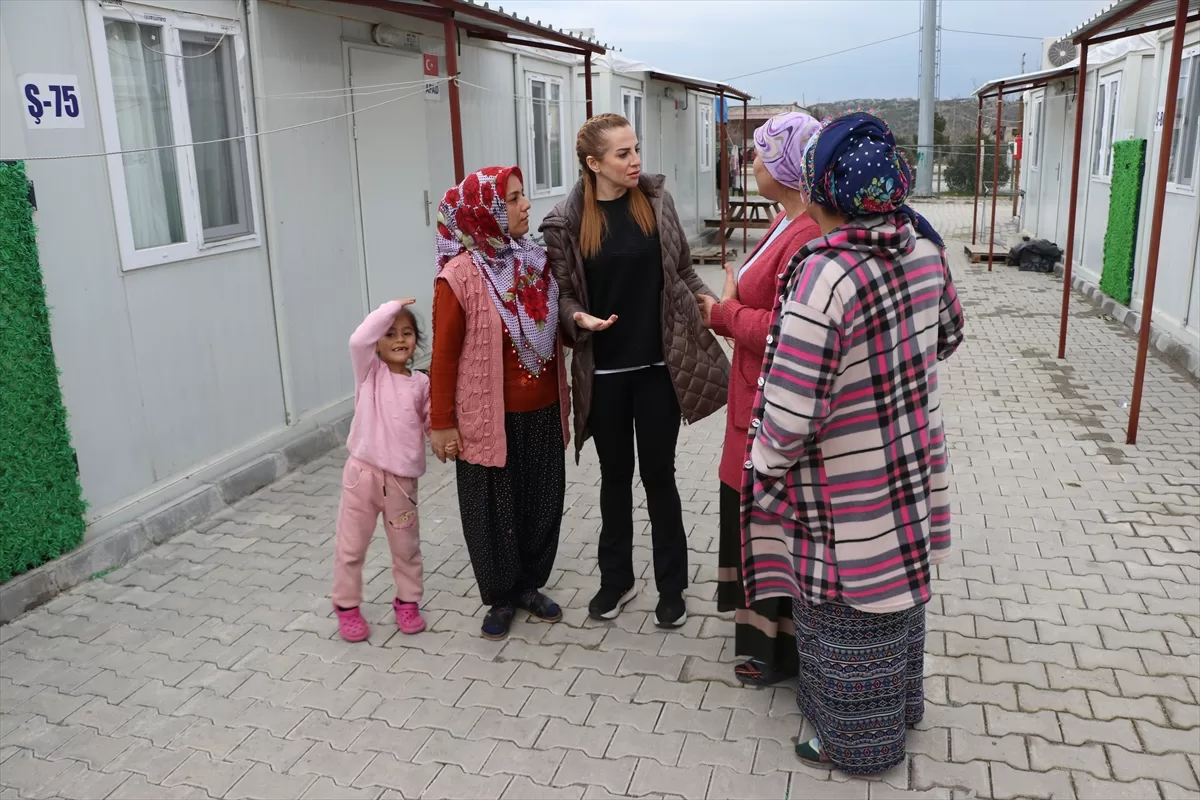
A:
[780,143]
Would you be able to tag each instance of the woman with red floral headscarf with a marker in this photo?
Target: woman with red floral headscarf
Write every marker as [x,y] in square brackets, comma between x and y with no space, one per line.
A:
[499,392]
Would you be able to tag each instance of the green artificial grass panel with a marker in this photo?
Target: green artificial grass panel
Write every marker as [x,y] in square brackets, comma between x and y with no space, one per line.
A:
[41,502]
[1124,205]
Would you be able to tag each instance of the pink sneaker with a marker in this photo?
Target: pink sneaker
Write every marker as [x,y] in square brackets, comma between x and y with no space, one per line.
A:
[408,617]
[351,624]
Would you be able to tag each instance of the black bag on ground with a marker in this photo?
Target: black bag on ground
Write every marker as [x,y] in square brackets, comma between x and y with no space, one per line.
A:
[1035,255]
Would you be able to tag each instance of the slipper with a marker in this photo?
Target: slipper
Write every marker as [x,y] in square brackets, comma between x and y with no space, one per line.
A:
[753,672]
[810,752]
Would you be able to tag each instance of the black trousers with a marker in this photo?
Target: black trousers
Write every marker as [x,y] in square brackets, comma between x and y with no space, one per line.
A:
[627,407]
[511,515]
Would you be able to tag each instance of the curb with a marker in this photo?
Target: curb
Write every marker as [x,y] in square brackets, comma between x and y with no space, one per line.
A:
[119,546]
[1162,344]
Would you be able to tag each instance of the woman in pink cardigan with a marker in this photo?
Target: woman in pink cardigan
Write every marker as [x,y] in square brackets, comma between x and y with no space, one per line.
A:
[764,632]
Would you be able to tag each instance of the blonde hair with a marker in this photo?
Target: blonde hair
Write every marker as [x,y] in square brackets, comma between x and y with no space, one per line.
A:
[593,141]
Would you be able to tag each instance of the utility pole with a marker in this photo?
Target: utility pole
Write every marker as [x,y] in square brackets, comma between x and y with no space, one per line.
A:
[926,97]
[1021,146]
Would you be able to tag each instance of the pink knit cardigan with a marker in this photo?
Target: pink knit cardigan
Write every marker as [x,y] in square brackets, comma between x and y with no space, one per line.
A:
[479,399]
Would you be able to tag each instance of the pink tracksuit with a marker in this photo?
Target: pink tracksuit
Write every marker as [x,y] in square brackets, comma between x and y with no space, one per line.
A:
[387,456]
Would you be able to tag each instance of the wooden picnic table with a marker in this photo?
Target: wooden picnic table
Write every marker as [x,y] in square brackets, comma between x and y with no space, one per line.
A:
[759,213]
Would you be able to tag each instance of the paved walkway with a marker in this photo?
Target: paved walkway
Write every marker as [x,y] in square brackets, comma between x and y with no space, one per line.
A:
[1063,654]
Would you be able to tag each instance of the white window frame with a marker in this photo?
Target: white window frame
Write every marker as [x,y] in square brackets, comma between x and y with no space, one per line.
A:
[1035,143]
[633,108]
[531,173]
[1193,53]
[173,24]
[707,136]
[1106,98]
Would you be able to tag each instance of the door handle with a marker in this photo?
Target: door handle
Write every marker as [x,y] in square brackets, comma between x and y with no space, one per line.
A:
[426,194]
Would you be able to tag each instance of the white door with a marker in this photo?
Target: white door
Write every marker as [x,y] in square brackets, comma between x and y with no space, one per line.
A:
[393,179]
[668,143]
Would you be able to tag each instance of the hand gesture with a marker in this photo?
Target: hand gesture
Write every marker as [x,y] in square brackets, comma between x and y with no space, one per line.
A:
[405,301]
[730,292]
[593,324]
[445,444]
[707,304]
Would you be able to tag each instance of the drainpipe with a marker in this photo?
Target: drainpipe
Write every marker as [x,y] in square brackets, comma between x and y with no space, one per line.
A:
[270,217]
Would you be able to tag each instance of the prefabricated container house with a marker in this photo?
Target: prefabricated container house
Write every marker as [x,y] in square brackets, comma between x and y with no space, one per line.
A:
[1124,97]
[203,296]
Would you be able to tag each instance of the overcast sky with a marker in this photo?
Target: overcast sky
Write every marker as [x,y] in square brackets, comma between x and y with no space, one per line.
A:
[722,39]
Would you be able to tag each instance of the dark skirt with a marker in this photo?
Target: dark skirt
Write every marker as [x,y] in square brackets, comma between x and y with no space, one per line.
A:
[511,515]
[764,631]
[861,682]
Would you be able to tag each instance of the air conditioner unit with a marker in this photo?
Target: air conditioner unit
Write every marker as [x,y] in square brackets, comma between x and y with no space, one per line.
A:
[1058,53]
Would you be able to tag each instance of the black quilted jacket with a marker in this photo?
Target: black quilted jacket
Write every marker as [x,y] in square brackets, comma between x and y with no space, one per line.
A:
[699,368]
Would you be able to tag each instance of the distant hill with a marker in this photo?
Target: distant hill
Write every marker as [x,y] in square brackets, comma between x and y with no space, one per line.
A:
[901,115]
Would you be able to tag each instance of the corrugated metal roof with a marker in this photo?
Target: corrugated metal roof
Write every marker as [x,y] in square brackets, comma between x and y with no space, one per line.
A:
[1155,11]
[712,87]
[1021,82]
[557,34]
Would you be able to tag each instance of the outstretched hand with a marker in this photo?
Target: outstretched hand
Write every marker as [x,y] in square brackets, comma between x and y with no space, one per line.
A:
[405,301]
[590,323]
[730,292]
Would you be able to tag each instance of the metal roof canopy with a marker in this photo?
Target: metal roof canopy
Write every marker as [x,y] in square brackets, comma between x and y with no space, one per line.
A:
[1134,16]
[1025,82]
[1138,16]
[487,23]
[699,85]
[492,24]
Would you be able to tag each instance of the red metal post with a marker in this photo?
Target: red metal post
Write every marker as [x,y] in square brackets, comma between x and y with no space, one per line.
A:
[1080,91]
[745,175]
[1156,218]
[587,81]
[723,172]
[996,173]
[978,167]
[456,140]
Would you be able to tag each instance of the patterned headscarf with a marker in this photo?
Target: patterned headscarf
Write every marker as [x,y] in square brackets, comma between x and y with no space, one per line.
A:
[780,143]
[473,218]
[852,166]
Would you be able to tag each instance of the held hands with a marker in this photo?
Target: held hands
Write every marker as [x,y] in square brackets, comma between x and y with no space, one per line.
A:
[445,444]
[593,324]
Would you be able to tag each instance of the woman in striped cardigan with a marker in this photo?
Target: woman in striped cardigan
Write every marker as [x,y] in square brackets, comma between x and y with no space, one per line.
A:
[844,495]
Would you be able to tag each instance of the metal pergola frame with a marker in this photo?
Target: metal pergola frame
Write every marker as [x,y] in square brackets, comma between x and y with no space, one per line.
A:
[721,91]
[1139,16]
[483,22]
[998,88]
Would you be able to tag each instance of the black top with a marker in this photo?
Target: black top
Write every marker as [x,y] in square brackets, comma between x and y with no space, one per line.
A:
[626,278]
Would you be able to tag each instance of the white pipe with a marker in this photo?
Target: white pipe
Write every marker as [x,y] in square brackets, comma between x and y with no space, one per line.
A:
[269,214]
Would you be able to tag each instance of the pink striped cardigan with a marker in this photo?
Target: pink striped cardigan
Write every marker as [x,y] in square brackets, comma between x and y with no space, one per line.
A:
[844,496]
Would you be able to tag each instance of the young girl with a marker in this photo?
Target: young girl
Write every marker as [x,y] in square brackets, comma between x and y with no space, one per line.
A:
[387,456]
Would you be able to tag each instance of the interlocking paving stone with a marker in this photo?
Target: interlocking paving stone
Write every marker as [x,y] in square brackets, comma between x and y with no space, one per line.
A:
[1062,654]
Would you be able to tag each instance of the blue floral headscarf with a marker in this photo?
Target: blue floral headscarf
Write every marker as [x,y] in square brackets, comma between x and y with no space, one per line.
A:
[852,166]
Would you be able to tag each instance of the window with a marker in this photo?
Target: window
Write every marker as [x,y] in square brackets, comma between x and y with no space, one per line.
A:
[706,137]
[167,80]
[1035,146]
[631,109]
[1182,168]
[1104,125]
[546,134]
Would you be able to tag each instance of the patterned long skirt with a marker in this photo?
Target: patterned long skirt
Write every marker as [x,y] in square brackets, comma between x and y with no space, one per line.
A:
[861,681]
[511,515]
[762,630]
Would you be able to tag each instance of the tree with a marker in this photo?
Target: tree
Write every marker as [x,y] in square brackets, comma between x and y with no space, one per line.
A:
[960,168]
